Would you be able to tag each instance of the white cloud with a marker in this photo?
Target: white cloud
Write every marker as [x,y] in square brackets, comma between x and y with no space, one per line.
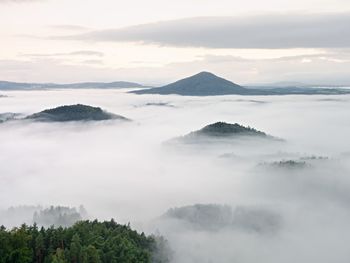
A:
[264,31]
[19,1]
[324,68]
[74,53]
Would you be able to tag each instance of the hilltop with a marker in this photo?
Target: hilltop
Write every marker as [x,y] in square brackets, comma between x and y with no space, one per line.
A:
[76,112]
[227,129]
[219,130]
[201,84]
[208,84]
[222,132]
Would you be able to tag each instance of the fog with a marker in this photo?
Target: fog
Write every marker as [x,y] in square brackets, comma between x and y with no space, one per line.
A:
[130,171]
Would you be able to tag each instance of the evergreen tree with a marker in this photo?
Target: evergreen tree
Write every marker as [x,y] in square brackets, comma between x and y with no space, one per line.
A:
[39,248]
[84,242]
[59,257]
[75,249]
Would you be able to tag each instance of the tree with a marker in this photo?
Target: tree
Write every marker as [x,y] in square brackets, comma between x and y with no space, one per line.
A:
[59,257]
[91,255]
[20,243]
[75,249]
[39,248]
[84,242]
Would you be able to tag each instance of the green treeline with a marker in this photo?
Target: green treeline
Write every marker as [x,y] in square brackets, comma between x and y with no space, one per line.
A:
[84,242]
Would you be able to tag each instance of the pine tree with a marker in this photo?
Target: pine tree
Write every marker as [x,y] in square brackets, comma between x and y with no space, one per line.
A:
[59,257]
[39,248]
[75,249]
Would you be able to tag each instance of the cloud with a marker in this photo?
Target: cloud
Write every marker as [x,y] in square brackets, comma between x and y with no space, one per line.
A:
[46,70]
[74,53]
[322,69]
[263,31]
[121,175]
[93,61]
[326,68]
[69,27]
[19,1]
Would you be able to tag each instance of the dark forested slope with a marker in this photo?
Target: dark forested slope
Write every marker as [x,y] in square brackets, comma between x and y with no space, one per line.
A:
[84,242]
[76,112]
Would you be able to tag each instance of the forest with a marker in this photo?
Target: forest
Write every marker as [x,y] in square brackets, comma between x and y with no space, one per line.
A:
[84,242]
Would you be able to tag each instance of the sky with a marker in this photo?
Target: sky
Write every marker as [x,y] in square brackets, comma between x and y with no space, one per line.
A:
[156,41]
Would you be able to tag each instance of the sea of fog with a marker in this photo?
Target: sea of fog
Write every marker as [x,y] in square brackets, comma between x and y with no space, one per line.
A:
[128,171]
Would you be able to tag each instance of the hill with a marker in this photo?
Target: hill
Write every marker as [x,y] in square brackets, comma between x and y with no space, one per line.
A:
[76,112]
[201,84]
[7,85]
[223,130]
[208,84]
[227,129]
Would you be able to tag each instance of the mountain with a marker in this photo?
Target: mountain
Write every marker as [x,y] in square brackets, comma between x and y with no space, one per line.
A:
[76,112]
[208,84]
[6,85]
[201,84]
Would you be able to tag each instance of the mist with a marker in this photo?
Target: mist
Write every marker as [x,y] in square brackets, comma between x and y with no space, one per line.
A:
[130,171]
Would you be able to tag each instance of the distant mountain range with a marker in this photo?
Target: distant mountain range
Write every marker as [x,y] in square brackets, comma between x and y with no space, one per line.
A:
[208,84]
[295,84]
[201,84]
[6,85]
[76,112]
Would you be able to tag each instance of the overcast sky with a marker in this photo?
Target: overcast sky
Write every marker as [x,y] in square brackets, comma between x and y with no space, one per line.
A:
[158,41]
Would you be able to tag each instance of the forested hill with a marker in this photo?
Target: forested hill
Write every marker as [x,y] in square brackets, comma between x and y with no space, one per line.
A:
[84,242]
[226,130]
[78,112]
